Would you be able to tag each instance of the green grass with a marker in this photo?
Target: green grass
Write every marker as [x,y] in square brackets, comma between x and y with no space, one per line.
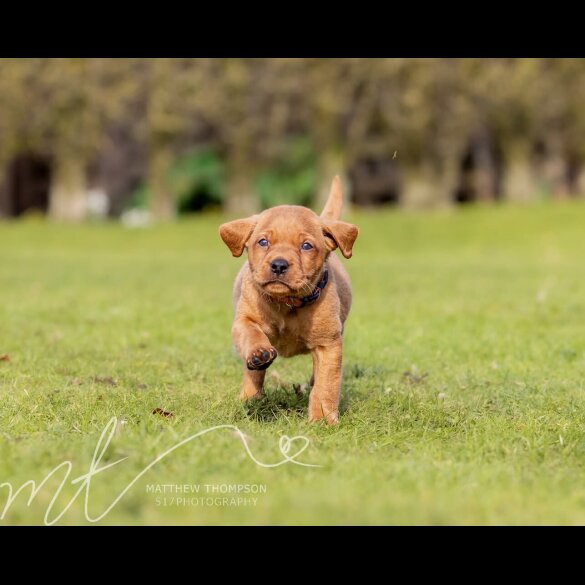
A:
[463,394]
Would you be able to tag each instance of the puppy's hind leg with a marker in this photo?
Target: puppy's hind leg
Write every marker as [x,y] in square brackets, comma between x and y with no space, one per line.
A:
[324,397]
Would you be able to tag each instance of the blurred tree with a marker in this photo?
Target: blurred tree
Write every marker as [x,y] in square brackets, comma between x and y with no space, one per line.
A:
[427,115]
[329,88]
[439,122]
[173,86]
[68,126]
[60,108]
[517,93]
[231,103]
[560,124]
[13,115]
[481,82]
[163,123]
[241,123]
[118,163]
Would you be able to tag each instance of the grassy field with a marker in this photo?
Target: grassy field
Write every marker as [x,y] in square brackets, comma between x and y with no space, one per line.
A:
[464,375]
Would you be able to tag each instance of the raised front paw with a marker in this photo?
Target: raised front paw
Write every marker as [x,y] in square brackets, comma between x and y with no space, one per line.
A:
[261,358]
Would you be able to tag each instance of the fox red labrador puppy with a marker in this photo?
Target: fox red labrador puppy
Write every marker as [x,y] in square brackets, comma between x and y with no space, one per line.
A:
[293,295]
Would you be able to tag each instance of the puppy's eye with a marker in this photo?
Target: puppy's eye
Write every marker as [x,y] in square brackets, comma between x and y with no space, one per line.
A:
[263,242]
[306,246]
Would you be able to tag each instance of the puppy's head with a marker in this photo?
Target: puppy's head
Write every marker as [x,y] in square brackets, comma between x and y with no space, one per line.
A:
[288,245]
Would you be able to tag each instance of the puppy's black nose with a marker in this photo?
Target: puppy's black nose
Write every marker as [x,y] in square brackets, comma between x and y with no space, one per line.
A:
[279,266]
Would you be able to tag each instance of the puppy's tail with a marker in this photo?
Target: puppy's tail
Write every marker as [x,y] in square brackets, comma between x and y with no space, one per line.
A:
[332,209]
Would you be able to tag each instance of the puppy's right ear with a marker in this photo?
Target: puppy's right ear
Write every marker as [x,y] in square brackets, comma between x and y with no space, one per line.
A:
[236,233]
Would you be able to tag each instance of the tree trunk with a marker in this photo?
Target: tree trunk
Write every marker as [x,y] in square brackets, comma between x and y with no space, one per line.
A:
[556,170]
[448,179]
[417,187]
[162,201]
[331,163]
[426,186]
[484,184]
[579,183]
[241,200]
[519,178]
[484,174]
[68,191]
[5,202]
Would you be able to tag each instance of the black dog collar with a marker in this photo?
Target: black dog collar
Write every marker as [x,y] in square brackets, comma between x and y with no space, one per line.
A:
[298,302]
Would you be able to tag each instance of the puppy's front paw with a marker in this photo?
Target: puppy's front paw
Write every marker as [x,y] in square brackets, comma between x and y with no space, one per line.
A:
[322,411]
[261,358]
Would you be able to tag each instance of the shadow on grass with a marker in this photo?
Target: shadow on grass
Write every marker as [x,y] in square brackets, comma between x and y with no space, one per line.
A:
[290,400]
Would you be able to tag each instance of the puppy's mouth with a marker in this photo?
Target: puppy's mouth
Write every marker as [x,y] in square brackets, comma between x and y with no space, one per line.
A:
[277,286]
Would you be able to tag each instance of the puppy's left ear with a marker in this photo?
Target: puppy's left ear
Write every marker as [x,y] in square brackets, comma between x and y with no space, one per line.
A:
[340,234]
[236,233]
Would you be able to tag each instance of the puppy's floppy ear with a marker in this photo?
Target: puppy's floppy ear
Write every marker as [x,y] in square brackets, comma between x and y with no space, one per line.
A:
[340,234]
[236,233]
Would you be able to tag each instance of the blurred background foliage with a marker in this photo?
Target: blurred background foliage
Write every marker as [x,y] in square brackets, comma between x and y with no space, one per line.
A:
[83,137]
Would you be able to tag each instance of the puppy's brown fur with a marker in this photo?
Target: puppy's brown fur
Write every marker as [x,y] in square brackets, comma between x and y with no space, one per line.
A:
[264,327]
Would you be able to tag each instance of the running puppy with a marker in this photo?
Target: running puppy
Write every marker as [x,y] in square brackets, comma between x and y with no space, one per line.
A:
[293,296]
